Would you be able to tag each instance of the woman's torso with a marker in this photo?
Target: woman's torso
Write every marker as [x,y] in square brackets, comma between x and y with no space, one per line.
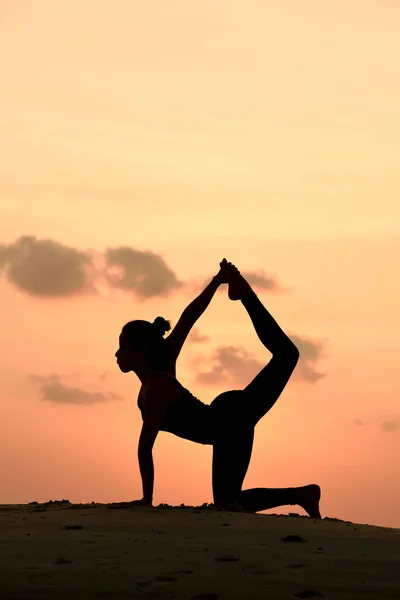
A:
[187,417]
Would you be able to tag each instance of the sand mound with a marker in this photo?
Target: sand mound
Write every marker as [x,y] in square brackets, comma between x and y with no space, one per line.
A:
[81,551]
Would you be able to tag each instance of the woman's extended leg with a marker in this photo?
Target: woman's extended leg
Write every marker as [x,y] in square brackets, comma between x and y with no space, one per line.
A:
[262,393]
[264,390]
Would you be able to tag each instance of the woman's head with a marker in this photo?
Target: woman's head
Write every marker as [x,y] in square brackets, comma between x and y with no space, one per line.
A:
[142,342]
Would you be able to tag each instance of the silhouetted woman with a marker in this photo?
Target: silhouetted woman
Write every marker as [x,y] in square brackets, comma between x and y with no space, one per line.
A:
[228,422]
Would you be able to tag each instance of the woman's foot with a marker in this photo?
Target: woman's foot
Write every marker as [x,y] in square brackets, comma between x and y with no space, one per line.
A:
[308,498]
[238,287]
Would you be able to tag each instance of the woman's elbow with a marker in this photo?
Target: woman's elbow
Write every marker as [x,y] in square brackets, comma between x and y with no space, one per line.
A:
[294,353]
[291,352]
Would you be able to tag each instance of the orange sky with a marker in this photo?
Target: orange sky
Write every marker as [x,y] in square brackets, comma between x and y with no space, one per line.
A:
[266,132]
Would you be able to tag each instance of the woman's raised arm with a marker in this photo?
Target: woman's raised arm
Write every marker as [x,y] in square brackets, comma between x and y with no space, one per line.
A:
[190,315]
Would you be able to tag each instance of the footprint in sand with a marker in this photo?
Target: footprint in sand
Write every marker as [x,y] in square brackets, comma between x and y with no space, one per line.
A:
[111,561]
[205,597]
[293,538]
[142,585]
[34,576]
[62,561]
[158,532]
[309,594]
[173,575]
[259,572]
[166,577]
[226,558]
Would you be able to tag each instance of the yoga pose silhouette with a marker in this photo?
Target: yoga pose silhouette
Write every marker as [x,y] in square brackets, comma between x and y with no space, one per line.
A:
[228,422]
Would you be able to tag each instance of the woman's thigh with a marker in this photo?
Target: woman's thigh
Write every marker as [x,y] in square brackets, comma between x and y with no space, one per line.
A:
[243,408]
[233,443]
[229,409]
[231,457]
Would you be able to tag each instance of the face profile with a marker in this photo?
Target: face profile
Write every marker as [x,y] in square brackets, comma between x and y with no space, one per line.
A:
[127,357]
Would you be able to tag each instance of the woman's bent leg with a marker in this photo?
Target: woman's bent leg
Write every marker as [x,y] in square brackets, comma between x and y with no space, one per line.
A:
[232,448]
[231,458]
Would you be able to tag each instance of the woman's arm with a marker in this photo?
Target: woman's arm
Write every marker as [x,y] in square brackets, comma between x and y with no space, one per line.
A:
[146,467]
[157,398]
[190,315]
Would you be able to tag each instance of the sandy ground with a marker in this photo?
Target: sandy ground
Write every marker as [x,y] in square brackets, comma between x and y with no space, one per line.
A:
[79,551]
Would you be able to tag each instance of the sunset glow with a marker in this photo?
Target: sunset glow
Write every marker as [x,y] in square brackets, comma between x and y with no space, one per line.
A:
[264,132]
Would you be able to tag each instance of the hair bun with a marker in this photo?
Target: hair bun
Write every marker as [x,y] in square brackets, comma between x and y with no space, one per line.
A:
[161,325]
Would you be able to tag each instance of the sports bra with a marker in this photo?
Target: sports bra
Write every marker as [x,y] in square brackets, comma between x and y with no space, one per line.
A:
[189,418]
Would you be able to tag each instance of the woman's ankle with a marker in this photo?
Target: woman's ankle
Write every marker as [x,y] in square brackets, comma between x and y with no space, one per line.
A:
[249,296]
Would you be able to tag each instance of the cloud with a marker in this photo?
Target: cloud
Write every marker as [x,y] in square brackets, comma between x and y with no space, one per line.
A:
[234,363]
[231,362]
[390,426]
[260,280]
[6,254]
[196,338]
[142,272]
[53,390]
[46,268]
[310,353]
